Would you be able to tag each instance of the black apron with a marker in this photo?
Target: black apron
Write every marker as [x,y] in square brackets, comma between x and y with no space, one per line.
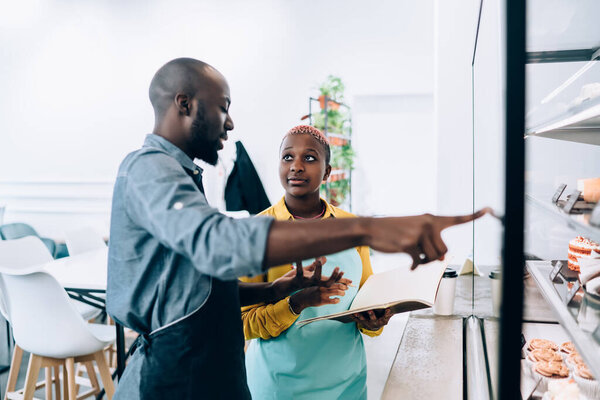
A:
[199,357]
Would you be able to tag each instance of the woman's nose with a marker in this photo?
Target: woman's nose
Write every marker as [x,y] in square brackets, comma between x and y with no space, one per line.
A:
[296,166]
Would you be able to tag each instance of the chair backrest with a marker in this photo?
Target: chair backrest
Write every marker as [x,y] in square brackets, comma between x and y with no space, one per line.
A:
[20,254]
[16,230]
[19,230]
[23,252]
[43,319]
[82,240]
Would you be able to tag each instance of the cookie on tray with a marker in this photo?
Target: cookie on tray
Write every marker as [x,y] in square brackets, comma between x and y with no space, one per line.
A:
[550,371]
[535,344]
[586,381]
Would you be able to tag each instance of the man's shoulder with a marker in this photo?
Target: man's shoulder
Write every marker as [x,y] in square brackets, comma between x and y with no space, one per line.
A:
[146,158]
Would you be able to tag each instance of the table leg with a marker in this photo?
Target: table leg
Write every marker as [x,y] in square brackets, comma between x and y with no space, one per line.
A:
[121,356]
[4,368]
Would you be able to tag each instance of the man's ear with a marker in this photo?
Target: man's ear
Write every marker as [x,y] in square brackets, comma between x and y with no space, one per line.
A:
[327,172]
[182,102]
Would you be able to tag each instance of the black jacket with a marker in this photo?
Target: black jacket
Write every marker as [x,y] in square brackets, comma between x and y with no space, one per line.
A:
[244,190]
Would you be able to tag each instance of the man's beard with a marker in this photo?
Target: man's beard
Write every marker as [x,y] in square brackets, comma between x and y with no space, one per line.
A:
[205,149]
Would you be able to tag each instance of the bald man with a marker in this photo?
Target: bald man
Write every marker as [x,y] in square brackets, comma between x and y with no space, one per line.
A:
[174,260]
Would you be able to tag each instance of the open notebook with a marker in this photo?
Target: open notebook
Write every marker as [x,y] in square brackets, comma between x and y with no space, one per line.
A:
[400,289]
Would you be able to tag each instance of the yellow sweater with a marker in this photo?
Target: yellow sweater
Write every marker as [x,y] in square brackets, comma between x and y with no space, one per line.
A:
[270,320]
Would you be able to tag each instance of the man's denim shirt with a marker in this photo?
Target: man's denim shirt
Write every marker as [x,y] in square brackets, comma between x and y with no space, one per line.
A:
[167,243]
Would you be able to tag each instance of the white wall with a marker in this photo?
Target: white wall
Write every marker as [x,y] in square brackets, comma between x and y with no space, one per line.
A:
[75,78]
[395,164]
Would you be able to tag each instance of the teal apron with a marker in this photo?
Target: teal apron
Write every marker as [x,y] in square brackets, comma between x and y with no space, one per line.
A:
[322,360]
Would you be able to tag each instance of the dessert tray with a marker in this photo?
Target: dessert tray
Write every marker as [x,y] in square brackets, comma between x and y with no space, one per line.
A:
[577,311]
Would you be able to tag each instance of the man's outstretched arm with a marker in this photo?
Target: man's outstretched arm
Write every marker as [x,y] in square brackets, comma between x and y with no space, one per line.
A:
[419,236]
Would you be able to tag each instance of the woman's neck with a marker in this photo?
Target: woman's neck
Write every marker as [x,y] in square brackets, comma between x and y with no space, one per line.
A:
[308,206]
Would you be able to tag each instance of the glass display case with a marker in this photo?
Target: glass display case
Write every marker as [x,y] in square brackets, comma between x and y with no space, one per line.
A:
[536,137]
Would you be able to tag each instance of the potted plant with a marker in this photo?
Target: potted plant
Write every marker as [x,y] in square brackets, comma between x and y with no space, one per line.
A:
[338,185]
[336,120]
[338,191]
[332,90]
[335,123]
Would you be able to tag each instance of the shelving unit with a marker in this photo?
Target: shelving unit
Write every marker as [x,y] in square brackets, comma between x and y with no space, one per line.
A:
[568,315]
[339,142]
[570,111]
[535,74]
[580,124]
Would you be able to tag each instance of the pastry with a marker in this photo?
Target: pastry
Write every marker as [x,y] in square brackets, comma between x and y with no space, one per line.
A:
[568,348]
[583,371]
[534,344]
[551,369]
[574,360]
[544,355]
[581,247]
[590,189]
[586,381]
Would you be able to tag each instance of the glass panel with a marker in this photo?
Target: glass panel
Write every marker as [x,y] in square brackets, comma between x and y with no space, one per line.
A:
[488,172]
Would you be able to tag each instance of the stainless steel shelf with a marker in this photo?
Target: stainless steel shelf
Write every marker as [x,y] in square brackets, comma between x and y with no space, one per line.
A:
[579,222]
[580,125]
[587,346]
[578,136]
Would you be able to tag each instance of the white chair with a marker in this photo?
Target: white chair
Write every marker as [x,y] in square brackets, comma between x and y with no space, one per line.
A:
[19,254]
[22,256]
[46,324]
[82,240]
[29,252]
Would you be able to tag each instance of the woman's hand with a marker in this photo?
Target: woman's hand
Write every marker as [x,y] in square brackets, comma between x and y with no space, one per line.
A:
[303,277]
[368,320]
[315,296]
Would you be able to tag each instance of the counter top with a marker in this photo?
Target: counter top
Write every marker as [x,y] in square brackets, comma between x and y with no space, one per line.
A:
[429,363]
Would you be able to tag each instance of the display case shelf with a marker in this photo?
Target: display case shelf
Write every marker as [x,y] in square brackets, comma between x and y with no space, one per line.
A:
[580,125]
[576,318]
[578,222]
[564,100]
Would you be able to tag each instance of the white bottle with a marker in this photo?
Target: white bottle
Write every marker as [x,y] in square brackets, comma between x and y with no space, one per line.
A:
[444,300]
